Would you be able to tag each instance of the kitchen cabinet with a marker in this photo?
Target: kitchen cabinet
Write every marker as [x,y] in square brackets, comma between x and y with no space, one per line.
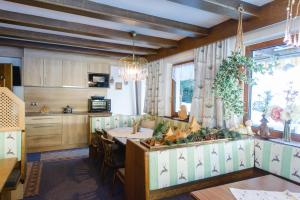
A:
[75,129]
[74,73]
[43,133]
[65,131]
[98,68]
[52,72]
[33,71]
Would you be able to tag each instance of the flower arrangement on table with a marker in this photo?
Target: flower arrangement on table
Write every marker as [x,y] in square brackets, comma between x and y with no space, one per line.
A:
[164,134]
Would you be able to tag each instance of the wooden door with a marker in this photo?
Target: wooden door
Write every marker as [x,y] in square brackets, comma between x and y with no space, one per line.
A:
[6,76]
[53,72]
[75,129]
[33,71]
[74,73]
[98,68]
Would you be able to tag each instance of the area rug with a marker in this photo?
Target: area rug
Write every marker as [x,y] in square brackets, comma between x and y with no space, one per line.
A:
[34,168]
[69,154]
[33,178]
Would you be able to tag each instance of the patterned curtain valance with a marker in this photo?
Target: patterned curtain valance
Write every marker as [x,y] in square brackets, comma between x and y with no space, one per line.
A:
[12,111]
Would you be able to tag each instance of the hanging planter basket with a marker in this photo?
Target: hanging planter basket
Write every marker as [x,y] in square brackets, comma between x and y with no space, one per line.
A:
[233,74]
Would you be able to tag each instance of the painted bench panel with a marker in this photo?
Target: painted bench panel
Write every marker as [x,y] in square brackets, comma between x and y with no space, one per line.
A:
[277,158]
[114,121]
[10,144]
[181,165]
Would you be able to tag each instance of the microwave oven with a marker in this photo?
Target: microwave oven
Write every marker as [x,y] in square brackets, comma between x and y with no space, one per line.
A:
[98,80]
[99,105]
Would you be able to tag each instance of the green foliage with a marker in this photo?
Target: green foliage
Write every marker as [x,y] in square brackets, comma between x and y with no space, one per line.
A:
[227,84]
[160,130]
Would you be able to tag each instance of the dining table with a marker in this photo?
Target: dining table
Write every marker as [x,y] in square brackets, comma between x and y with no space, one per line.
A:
[122,134]
[6,167]
[264,183]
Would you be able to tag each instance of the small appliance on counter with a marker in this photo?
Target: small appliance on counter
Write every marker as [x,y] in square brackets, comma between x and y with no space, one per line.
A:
[98,80]
[99,104]
[68,109]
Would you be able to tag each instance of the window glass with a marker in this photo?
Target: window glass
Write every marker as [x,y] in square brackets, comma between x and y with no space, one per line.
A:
[277,88]
[183,85]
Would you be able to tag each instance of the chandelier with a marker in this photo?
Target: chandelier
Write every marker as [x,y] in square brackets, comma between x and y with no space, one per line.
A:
[292,37]
[133,68]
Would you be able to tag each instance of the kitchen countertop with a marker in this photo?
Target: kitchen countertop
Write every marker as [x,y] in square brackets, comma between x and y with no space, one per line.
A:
[98,114]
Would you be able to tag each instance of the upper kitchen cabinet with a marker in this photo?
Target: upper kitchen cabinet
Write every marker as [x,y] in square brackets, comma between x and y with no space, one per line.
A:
[74,73]
[98,68]
[53,72]
[33,71]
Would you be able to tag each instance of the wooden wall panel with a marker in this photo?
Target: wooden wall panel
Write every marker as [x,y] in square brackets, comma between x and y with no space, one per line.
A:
[57,98]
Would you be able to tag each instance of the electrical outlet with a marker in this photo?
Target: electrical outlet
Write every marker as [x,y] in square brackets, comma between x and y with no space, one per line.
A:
[33,104]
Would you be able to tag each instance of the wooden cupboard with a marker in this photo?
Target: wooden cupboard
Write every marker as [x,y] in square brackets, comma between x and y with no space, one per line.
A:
[98,68]
[43,71]
[75,129]
[53,72]
[74,73]
[33,71]
[46,133]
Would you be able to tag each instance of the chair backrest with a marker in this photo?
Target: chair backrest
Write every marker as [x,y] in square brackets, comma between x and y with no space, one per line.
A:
[107,147]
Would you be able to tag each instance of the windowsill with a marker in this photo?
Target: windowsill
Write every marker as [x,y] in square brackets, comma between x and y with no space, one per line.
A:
[177,119]
[281,141]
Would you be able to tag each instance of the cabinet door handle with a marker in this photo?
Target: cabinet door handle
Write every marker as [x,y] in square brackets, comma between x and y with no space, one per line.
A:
[42,118]
[42,126]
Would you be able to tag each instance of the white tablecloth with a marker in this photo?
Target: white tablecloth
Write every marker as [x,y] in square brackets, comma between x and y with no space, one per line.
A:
[126,132]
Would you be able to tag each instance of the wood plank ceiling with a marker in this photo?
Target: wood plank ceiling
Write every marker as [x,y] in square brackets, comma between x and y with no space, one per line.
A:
[102,27]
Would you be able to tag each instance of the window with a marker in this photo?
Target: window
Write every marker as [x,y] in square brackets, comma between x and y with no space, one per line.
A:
[182,86]
[272,87]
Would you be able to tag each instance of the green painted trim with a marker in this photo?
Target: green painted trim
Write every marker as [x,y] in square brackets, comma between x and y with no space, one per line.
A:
[173,166]
[286,161]
[221,147]
[266,156]
[235,157]
[206,161]
[248,154]
[191,163]
[19,145]
[153,166]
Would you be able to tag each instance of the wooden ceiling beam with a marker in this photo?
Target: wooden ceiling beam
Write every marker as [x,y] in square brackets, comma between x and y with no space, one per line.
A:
[108,13]
[82,29]
[73,41]
[269,14]
[222,7]
[55,47]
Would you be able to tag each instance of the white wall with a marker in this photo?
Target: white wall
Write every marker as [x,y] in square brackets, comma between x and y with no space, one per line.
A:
[122,101]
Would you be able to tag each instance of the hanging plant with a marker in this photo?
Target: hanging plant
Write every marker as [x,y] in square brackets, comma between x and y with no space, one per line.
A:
[228,84]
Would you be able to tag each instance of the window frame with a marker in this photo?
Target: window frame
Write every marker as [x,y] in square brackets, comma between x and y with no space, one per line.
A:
[247,89]
[173,112]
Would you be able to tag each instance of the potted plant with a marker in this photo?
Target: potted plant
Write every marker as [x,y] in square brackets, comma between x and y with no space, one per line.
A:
[228,84]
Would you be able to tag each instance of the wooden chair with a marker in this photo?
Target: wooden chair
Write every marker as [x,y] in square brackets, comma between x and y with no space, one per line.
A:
[120,174]
[113,159]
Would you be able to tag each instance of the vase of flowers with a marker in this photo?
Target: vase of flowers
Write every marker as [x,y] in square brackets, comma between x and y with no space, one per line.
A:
[287,131]
[288,114]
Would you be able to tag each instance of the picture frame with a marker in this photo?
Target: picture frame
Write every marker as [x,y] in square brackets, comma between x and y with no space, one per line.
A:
[118,85]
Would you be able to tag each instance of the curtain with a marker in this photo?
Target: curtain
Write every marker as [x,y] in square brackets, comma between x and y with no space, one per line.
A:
[207,108]
[154,99]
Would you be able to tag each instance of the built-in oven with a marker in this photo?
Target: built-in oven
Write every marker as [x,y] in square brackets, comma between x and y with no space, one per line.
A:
[99,104]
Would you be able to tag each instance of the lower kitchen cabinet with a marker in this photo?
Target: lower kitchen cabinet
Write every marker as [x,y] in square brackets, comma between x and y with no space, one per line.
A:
[45,133]
[75,129]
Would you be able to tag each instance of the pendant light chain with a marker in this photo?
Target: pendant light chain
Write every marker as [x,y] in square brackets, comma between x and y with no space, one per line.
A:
[239,45]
